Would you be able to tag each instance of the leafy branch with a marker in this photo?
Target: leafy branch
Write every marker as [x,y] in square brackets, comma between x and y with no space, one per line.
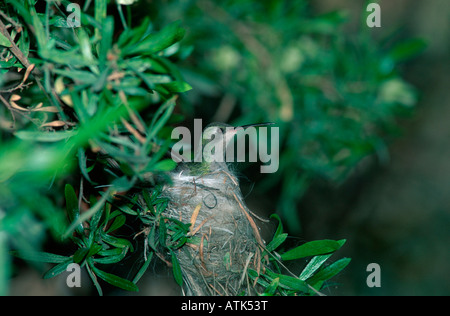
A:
[96,90]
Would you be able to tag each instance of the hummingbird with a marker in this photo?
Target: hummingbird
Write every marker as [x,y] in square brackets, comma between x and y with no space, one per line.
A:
[210,156]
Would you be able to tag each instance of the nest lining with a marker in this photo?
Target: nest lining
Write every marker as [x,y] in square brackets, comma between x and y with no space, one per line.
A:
[227,238]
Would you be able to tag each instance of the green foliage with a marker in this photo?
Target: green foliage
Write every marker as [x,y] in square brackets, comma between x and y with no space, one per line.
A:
[78,114]
[276,279]
[95,246]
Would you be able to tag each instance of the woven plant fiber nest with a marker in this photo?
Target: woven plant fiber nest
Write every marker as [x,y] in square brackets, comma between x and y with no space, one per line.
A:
[225,240]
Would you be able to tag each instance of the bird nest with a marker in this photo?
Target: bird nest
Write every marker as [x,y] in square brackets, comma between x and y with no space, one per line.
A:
[224,239]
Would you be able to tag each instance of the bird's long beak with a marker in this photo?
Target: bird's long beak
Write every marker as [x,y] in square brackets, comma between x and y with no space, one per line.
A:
[230,133]
[233,131]
[256,125]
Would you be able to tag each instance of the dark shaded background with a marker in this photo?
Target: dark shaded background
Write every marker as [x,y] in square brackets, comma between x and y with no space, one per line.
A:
[399,215]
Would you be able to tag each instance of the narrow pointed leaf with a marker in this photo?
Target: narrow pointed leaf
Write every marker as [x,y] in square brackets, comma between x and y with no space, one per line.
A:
[115,280]
[85,216]
[177,274]
[72,207]
[276,242]
[329,272]
[39,256]
[156,42]
[315,263]
[313,248]
[143,269]
[58,269]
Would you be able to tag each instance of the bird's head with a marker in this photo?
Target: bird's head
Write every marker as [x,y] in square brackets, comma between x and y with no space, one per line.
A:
[215,139]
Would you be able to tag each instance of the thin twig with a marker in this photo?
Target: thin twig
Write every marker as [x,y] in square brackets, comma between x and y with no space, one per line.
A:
[133,131]
[13,110]
[16,25]
[252,222]
[257,237]
[256,216]
[14,49]
[244,272]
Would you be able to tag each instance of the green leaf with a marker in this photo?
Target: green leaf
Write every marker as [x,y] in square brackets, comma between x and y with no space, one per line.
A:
[82,164]
[106,41]
[72,57]
[98,86]
[117,242]
[163,150]
[122,184]
[39,256]
[118,222]
[131,36]
[93,277]
[312,248]
[8,64]
[161,116]
[94,223]
[151,80]
[156,42]
[94,249]
[127,210]
[115,280]
[5,263]
[177,86]
[152,242]
[130,87]
[58,269]
[39,31]
[143,269]
[86,215]
[59,21]
[255,275]
[329,272]
[44,136]
[276,242]
[85,77]
[165,165]
[313,265]
[72,207]
[289,282]
[100,10]
[84,253]
[112,256]
[110,252]
[316,262]
[293,283]
[407,49]
[177,274]
[85,45]
[162,231]
[80,255]
[280,225]
[270,290]
[4,41]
